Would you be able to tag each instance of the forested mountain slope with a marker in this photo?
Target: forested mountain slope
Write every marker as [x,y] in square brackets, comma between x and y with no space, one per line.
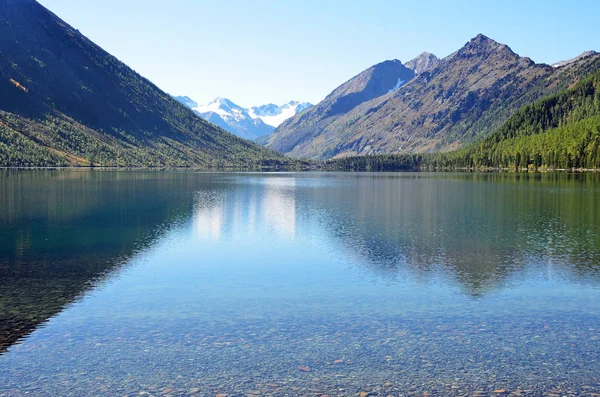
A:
[66,101]
[561,131]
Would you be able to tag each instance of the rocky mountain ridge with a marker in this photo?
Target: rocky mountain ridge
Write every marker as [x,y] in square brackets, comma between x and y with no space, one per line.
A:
[466,95]
[66,101]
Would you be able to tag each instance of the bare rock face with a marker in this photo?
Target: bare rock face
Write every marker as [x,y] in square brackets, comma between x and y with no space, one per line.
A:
[577,58]
[450,102]
[381,79]
[425,62]
[378,80]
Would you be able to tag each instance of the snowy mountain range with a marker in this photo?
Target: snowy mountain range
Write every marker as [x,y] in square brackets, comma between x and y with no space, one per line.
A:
[274,115]
[248,123]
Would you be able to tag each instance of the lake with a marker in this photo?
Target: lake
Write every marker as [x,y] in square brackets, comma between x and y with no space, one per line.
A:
[174,283]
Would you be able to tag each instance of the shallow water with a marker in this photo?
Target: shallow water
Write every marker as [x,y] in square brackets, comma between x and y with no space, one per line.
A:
[184,283]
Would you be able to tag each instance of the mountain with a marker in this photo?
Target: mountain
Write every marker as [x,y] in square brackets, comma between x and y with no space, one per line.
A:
[467,95]
[66,101]
[560,131]
[425,62]
[378,80]
[251,123]
[233,118]
[274,115]
[577,58]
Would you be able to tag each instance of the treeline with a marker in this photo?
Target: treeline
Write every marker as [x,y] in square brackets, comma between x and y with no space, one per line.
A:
[378,163]
[558,132]
[59,142]
[575,145]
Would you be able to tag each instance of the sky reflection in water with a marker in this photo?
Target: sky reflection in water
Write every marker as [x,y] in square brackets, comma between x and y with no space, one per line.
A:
[183,283]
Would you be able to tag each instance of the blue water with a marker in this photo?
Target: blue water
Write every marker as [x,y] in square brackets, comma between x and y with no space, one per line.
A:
[184,283]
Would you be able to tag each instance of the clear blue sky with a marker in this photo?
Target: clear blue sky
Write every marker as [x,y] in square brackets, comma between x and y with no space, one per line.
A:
[261,51]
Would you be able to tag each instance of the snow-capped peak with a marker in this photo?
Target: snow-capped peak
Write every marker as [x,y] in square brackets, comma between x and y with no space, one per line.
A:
[274,115]
[221,106]
[399,84]
[247,123]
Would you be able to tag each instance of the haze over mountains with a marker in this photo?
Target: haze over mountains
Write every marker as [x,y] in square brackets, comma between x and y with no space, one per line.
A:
[248,123]
[440,105]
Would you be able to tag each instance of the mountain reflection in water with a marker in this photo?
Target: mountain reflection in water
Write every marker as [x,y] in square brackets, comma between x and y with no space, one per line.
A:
[156,256]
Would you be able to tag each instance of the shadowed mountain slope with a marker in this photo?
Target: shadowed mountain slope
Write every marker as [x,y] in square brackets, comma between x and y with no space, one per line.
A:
[66,101]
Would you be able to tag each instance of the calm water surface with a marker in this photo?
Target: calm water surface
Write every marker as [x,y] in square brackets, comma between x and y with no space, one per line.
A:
[184,283]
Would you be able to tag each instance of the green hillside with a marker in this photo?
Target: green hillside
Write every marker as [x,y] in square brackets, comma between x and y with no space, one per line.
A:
[561,131]
[66,101]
